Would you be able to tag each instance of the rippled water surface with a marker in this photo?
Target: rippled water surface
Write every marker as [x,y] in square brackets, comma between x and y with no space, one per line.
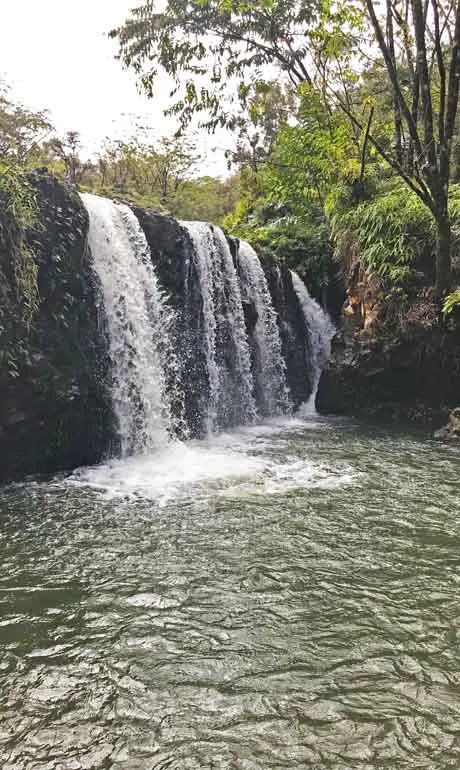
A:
[287,597]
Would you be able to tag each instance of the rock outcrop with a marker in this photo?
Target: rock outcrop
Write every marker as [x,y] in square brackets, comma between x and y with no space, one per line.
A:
[55,404]
[171,248]
[451,431]
[55,407]
[394,356]
[292,327]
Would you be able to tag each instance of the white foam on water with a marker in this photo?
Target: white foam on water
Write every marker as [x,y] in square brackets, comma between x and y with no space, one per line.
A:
[169,474]
[304,474]
[237,463]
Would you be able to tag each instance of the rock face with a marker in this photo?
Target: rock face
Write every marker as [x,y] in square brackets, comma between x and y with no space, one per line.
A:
[394,357]
[293,333]
[55,404]
[172,256]
[55,411]
[451,431]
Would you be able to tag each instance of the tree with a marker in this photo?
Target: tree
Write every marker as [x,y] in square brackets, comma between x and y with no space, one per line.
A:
[218,42]
[175,161]
[21,130]
[429,35]
[21,133]
[68,151]
[266,107]
[320,45]
[205,198]
[143,172]
[309,158]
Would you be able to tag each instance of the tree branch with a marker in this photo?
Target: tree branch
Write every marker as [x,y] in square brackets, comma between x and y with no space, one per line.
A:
[394,77]
[424,76]
[442,72]
[421,191]
[365,143]
[454,77]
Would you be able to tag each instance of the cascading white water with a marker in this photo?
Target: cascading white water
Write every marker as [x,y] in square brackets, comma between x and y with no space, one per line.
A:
[137,320]
[231,312]
[320,333]
[226,347]
[269,365]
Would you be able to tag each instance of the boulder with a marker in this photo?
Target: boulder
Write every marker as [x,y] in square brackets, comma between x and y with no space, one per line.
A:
[451,431]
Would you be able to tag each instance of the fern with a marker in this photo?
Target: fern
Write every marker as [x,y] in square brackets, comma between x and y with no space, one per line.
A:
[451,303]
[391,232]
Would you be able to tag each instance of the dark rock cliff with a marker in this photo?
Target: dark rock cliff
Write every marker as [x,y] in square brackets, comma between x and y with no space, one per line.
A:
[294,335]
[395,357]
[172,256]
[55,409]
[55,405]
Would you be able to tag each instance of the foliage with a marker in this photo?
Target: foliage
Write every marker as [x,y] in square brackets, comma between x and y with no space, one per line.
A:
[21,133]
[311,156]
[206,199]
[18,269]
[391,232]
[298,237]
[318,45]
[303,245]
[63,156]
[265,108]
[21,130]
[451,303]
[236,39]
[141,173]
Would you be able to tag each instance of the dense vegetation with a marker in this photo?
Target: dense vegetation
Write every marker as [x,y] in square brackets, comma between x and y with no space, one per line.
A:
[376,90]
[347,148]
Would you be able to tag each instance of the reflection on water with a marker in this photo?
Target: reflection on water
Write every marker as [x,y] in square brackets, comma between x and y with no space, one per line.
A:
[285,597]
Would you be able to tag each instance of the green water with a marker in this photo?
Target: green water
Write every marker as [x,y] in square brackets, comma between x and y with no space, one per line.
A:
[283,598]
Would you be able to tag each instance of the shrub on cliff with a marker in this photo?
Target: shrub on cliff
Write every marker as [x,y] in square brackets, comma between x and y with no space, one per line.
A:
[393,233]
[20,130]
[18,269]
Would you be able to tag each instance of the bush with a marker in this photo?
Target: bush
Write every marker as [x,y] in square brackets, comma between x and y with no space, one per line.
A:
[451,302]
[393,233]
[19,292]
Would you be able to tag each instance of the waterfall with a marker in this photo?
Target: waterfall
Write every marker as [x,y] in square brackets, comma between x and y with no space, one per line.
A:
[269,366]
[137,320]
[320,333]
[224,337]
[229,345]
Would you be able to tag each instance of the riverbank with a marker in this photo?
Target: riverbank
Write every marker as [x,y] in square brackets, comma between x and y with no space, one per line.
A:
[395,356]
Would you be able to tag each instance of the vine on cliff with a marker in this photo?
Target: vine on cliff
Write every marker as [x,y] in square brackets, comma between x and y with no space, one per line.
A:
[18,268]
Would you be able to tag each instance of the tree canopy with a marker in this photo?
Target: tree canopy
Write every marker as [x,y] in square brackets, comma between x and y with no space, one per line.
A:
[217,51]
[214,44]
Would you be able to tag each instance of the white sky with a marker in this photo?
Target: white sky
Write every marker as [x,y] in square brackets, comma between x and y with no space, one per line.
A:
[56,55]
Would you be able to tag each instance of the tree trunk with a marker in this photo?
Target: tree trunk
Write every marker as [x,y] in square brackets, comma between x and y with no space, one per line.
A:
[398,124]
[443,252]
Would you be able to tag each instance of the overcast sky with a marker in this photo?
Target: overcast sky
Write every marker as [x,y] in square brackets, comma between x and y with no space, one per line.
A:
[56,55]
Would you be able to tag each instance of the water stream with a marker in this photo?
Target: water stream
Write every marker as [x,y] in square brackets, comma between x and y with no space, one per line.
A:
[319,331]
[269,365]
[231,399]
[282,596]
[137,320]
